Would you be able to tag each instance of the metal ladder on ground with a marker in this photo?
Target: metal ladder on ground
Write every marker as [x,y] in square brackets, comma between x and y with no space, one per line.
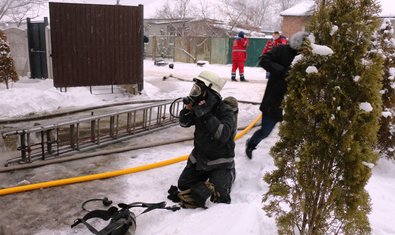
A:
[69,137]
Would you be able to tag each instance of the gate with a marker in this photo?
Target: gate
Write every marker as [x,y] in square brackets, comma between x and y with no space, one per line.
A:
[37,49]
[94,45]
[191,49]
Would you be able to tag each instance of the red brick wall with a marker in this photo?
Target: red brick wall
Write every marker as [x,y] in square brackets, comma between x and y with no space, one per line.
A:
[293,24]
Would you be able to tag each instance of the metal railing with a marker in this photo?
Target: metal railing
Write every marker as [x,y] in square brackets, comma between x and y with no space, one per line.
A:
[65,138]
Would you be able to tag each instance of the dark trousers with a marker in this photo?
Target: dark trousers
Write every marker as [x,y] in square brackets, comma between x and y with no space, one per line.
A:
[221,178]
[267,126]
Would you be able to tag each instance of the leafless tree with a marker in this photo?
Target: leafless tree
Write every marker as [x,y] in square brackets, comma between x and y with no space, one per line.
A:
[234,11]
[183,8]
[179,9]
[286,4]
[260,13]
[18,10]
[282,5]
[248,14]
[204,9]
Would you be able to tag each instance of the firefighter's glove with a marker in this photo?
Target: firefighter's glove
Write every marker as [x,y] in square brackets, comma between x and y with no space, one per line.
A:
[173,194]
[197,195]
[215,196]
[201,110]
[187,201]
[204,107]
[201,192]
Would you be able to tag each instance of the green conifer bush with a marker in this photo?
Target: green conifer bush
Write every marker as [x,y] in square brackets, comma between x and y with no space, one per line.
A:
[331,117]
[384,45]
[7,67]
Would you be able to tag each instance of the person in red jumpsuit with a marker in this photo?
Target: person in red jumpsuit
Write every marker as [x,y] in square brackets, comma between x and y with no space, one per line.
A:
[239,56]
[277,40]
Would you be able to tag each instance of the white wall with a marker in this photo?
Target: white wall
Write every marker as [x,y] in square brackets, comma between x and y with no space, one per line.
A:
[17,38]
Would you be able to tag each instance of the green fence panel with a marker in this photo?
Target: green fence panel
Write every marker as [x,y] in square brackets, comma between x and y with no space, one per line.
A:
[254,50]
[219,49]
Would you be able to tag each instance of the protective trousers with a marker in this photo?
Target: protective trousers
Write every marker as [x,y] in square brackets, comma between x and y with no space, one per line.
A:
[236,64]
[222,179]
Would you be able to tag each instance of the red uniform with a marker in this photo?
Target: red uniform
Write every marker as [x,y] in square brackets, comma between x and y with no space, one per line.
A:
[239,55]
[274,42]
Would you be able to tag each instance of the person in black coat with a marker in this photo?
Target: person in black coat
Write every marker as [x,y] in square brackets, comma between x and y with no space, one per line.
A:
[277,62]
[210,170]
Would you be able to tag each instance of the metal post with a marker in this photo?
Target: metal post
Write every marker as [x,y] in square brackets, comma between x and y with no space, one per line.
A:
[128,121]
[49,141]
[112,118]
[116,126]
[145,118]
[23,145]
[57,141]
[42,146]
[134,122]
[164,113]
[98,131]
[149,118]
[93,130]
[71,136]
[158,115]
[29,150]
[78,136]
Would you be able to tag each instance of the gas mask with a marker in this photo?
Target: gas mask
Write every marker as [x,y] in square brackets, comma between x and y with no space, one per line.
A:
[197,94]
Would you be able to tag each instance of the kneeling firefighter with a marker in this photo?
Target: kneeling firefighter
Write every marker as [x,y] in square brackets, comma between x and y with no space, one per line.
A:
[210,170]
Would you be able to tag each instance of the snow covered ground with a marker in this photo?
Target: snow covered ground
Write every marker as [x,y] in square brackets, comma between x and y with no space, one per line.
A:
[53,210]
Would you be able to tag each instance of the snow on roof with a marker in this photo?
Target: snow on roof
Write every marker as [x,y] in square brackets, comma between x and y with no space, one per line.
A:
[306,8]
[166,21]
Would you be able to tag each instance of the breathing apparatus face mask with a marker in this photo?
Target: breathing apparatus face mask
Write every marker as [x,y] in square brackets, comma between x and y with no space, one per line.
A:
[197,94]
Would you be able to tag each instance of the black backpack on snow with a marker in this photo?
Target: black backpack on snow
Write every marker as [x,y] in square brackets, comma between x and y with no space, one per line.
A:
[122,220]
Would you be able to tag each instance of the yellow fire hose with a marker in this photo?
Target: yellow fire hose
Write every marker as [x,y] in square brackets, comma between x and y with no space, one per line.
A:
[104,175]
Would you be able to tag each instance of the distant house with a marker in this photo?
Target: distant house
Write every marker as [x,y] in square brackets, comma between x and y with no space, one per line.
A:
[157,27]
[189,27]
[296,17]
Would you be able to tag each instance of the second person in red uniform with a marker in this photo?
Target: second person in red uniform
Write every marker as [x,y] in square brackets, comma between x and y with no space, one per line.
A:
[239,56]
[277,40]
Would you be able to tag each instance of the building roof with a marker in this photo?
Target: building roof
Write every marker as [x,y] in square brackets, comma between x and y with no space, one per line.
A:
[306,8]
[166,21]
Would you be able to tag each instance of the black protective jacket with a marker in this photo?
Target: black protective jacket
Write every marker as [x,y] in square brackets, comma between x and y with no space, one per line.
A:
[277,62]
[213,137]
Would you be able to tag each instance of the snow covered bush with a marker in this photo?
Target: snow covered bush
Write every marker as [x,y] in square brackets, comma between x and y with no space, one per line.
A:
[325,154]
[384,45]
[7,67]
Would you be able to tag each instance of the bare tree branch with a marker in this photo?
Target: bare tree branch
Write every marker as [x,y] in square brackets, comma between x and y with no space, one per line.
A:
[285,4]
[18,10]
[181,9]
[248,14]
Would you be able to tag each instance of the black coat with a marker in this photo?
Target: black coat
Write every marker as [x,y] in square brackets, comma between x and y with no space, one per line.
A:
[277,62]
[213,137]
